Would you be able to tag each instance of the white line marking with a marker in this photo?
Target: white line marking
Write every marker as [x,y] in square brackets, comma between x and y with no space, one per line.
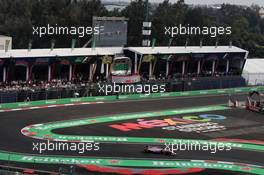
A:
[34,107]
[70,104]
[85,103]
[16,109]
[52,106]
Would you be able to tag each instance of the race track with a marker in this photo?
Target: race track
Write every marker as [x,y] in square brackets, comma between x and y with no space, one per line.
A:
[244,126]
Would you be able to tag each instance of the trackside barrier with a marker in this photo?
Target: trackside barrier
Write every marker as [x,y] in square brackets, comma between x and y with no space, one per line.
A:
[128,97]
[56,102]
[192,93]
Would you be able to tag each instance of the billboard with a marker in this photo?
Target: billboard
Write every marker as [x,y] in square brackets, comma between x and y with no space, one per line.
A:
[113,31]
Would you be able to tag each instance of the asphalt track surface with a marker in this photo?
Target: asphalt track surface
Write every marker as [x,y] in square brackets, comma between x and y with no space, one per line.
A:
[243,125]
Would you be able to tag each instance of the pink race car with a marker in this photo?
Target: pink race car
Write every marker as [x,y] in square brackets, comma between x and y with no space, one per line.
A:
[157,150]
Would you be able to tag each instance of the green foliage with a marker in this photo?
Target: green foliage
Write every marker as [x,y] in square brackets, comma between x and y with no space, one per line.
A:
[18,16]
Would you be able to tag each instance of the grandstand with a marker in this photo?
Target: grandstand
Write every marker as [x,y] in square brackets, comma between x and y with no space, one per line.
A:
[208,60]
[181,68]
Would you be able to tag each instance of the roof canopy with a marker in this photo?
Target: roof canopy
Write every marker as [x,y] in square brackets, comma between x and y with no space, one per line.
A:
[254,66]
[101,51]
[64,52]
[185,50]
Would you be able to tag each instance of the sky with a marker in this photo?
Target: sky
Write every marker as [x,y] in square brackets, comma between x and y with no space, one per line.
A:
[238,2]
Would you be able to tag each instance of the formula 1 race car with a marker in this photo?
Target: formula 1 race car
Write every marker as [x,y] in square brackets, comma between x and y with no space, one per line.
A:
[157,150]
[255,102]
